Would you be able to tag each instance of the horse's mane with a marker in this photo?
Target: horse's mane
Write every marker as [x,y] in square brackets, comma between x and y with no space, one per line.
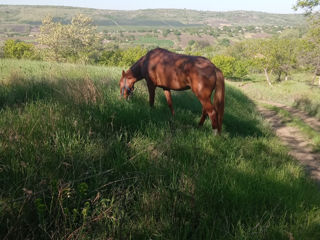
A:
[136,68]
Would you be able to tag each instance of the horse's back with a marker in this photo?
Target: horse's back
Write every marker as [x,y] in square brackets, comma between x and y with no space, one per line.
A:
[178,71]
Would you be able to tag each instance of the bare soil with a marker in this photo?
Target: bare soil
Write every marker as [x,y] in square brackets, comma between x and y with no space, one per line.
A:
[300,147]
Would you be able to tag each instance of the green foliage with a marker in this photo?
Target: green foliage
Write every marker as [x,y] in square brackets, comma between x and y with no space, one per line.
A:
[231,67]
[310,48]
[279,55]
[307,5]
[110,57]
[276,55]
[71,42]
[18,49]
[224,42]
[124,57]
[165,32]
[225,63]
[191,42]
[131,55]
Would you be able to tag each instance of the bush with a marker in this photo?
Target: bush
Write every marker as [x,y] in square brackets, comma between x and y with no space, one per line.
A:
[231,67]
[74,42]
[225,42]
[110,57]
[131,55]
[122,57]
[191,42]
[18,49]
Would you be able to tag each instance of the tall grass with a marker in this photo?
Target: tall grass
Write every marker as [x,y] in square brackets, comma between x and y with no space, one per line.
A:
[297,92]
[289,119]
[79,163]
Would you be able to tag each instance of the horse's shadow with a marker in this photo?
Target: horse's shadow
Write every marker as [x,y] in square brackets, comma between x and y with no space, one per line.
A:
[244,124]
[136,113]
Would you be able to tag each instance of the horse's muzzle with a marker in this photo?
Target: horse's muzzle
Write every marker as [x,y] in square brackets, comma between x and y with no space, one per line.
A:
[129,92]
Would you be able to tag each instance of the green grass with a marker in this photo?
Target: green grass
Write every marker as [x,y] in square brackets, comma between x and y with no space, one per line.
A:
[297,92]
[309,105]
[154,41]
[289,119]
[79,163]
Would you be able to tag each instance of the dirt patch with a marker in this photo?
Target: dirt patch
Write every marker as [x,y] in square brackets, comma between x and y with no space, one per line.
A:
[311,121]
[300,147]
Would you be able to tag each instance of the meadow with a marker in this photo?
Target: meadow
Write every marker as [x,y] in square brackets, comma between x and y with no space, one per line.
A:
[78,162]
[298,91]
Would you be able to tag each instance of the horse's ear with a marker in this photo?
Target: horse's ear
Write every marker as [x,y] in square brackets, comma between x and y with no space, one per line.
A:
[123,73]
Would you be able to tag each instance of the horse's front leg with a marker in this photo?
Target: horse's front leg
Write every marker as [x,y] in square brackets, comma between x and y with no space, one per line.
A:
[167,93]
[152,92]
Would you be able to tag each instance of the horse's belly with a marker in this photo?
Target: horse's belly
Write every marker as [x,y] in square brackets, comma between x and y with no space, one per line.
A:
[182,89]
[174,86]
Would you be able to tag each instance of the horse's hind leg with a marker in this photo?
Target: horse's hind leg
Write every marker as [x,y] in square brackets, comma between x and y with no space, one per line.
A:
[207,106]
[203,117]
[167,93]
[152,91]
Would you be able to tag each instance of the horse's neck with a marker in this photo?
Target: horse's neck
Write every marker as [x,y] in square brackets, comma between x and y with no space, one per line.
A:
[136,69]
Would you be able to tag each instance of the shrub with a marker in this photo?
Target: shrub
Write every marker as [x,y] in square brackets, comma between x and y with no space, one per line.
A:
[18,49]
[125,57]
[74,42]
[131,55]
[231,67]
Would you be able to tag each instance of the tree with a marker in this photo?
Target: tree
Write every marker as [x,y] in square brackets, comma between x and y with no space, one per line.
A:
[225,63]
[312,48]
[18,49]
[70,42]
[53,37]
[307,5]
[124,58]
[231,67]
[278,56]
[132,55]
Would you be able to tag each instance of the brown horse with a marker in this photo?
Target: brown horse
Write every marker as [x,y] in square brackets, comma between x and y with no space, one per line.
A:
[171,71]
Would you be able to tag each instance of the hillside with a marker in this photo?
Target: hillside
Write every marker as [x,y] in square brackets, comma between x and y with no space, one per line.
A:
[168,28]
[32,15]
[79,163]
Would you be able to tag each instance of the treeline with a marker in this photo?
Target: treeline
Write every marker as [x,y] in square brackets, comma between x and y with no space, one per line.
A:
[80,42]
[110,57]
[77,42]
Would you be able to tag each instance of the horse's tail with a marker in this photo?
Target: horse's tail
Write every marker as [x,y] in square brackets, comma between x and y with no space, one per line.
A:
[218,100]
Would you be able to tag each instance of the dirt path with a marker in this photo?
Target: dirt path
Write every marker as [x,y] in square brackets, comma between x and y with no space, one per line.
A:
[300,147]
[311,121]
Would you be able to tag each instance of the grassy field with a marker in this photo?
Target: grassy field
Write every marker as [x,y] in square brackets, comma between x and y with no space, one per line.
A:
[145,41]
[297,92]
[79,163]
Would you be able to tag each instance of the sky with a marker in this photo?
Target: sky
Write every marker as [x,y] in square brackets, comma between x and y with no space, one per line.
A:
[271,6]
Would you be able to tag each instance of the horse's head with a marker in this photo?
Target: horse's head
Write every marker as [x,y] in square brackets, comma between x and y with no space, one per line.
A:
[127,84]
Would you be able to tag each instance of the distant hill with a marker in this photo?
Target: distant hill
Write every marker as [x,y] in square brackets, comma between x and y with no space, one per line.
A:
[32,15]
